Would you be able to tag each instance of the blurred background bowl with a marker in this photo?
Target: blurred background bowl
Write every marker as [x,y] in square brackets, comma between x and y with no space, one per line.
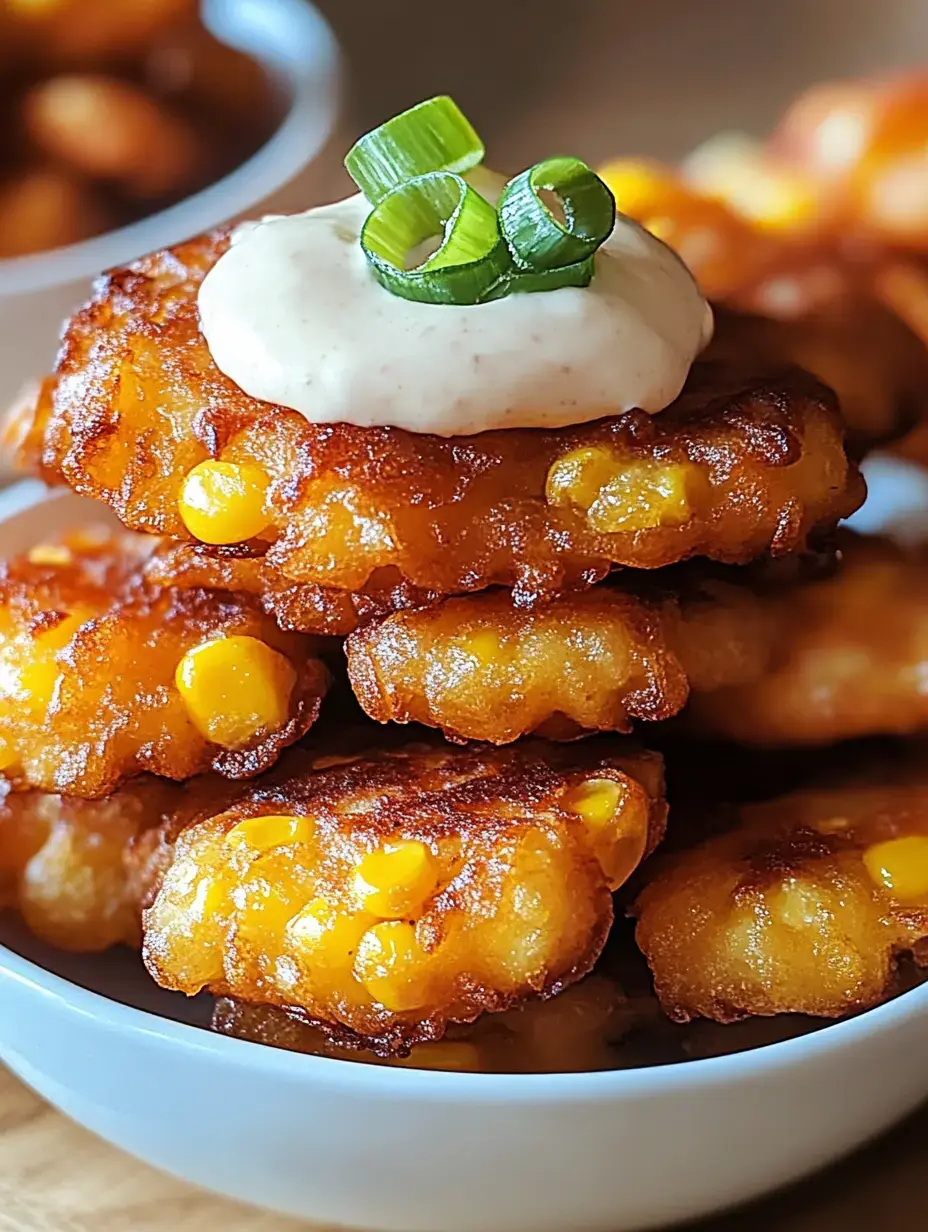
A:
[297,49]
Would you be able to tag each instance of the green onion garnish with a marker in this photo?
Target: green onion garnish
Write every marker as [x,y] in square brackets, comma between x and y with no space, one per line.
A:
[433,136]
[579,274]
[470,264]
[539,240]
[431,237]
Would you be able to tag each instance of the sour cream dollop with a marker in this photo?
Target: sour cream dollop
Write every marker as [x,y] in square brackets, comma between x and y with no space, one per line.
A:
[293,315]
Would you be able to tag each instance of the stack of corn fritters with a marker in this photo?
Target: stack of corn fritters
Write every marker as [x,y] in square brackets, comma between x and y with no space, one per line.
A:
[178,777]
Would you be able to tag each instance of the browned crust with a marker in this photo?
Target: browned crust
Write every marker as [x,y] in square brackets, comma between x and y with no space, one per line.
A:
[475,803]
[137,402]
[115,712]
[778,913]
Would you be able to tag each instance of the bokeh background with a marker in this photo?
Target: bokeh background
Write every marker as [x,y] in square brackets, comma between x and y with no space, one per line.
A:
[601,77]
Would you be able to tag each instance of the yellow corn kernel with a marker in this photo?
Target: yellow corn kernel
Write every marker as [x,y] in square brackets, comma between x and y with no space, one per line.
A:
[635,184]
[456,1057]
[642,496]
[326,936]
[392,966]
[595,800]
[208,899]
[617,823]
[262,834]
[49,554]
[484,646]
[579,476]
[234,688]
[38,671]
[396,880]
[901,866]
[264,914]
[223,502]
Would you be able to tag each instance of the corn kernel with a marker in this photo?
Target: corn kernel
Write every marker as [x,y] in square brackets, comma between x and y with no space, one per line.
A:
[595,800]
[396,880]
[208,900]
[38,672]
[642,496]
[390,964]
[617,823]
[901,866]
[265,914]
[484,646]
[223,502]
[234,688]
[49,554]
[265,833]
[326,936]
[579,476]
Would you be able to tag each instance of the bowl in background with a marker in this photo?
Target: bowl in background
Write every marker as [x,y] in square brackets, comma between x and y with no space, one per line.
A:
[296,47]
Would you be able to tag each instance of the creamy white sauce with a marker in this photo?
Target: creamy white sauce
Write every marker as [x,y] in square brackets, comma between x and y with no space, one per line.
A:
[293,315]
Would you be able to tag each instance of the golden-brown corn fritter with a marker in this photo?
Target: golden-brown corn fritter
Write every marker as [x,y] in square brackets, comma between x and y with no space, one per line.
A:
[480,668]
[803,905]
[79,871]
[386,896]
[103,675]
[138,415]
[844,656]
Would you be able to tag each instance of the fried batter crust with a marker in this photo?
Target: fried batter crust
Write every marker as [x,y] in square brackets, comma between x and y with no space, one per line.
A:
[79,871]
[137,402]
[517,904]
[88,652]
[297,606]
[844,656]
[779,914]
[480,668]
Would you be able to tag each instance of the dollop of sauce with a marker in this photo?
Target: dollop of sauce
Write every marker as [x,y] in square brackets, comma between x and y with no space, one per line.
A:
[294,316]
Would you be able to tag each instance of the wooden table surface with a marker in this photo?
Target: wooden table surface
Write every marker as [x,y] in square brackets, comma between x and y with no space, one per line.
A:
[595,77]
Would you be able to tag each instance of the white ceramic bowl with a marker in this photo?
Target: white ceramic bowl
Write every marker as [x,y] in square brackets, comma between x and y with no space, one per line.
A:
[298,49]
[415,1150]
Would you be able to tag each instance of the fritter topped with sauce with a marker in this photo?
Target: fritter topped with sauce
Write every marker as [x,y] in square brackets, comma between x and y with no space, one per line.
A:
[104,676]
[138,415]
[383,897]
[803,905]
[844,656]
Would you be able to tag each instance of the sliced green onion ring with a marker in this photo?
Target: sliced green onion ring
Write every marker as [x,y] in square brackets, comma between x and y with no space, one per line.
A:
[539,240]
[578,274]
[432,136]
[472,263]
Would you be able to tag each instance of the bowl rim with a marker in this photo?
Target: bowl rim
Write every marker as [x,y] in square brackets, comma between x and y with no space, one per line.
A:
[424,1085]
[296,45]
